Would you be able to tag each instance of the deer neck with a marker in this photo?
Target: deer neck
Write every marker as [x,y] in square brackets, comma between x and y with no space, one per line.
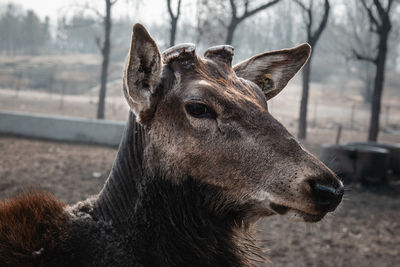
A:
[188,223]
[116,201]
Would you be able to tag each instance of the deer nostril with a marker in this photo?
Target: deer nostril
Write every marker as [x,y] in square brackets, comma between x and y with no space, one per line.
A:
[326,198]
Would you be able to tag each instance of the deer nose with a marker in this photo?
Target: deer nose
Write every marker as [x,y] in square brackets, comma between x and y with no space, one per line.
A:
[327,198]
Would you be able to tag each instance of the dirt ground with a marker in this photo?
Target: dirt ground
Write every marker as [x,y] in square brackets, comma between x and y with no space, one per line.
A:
[364,231]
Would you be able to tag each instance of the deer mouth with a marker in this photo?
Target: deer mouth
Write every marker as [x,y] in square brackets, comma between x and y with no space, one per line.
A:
[296,214]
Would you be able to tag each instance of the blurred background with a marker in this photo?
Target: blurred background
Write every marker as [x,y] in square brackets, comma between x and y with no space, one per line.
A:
[66,58]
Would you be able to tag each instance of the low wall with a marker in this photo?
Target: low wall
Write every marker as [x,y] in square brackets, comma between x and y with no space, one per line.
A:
[61,128]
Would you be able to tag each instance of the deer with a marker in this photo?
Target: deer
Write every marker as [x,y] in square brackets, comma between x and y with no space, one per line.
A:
[201,160]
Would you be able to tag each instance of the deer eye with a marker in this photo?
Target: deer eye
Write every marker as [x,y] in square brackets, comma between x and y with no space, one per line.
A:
[199,110]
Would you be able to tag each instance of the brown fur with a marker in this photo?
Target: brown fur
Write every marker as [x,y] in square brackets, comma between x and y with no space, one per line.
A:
[31,225]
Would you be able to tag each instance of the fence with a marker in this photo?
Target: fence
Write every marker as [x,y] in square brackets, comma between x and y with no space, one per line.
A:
[61,128]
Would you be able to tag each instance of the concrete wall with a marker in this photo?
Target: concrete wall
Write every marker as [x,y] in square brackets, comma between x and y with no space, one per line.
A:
[61,128]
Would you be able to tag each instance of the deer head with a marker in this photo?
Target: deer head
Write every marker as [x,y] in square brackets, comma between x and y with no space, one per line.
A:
[208,120]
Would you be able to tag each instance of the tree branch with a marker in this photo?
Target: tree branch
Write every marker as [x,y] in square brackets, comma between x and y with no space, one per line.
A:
[246,6]
[389,6]
[171,14]
[324,21]
[258,9]
[363,57]
[92,9]
[308,13]
[300,4]
[380,9]
[309,24]
[371,16]
[233,9]
[178,13]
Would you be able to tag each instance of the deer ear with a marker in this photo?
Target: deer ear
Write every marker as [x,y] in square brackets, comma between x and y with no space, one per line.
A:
[142,74]
[271,71]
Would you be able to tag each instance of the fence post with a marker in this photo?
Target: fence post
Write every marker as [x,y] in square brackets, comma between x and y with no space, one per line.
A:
[352,114]
[315,114]
[63,85]
[387,115]
[338,134]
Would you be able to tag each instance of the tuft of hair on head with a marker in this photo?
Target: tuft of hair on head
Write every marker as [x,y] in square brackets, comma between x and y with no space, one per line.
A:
[179,52]
[30,225]
[222,53]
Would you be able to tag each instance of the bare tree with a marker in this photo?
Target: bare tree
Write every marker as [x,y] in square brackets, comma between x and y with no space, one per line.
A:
[210,22]
[174,21]
[365,41]
[105,53]
[313,35]
[380,24]
[349,31]
[236,19]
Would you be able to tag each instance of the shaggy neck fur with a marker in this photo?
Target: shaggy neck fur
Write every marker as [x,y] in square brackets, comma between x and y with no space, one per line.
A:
[168,224]
[118,198]
[189,223]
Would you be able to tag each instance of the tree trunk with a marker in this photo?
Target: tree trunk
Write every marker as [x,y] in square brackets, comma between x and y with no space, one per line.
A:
[312,39]
[369,79]
[231,31]
[378,88]
[173,32]
[304,100]
[368,83]
[105,52]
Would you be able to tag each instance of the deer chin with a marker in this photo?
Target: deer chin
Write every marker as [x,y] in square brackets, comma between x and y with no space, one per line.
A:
[269,205]
[293,214]
[296,214]
[253,217]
